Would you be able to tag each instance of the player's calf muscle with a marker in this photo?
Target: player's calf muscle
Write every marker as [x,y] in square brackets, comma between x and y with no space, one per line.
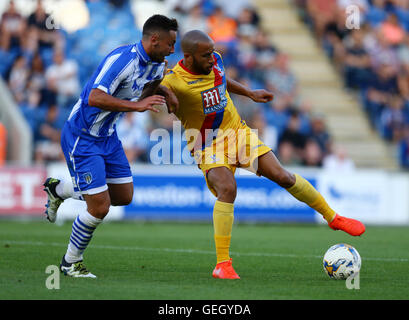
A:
[269,167]
[284,178]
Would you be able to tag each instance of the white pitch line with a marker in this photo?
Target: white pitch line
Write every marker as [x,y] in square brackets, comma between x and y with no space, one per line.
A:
[252,254]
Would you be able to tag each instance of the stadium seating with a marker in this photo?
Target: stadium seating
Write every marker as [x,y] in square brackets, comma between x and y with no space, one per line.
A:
[379,78]
[111,26]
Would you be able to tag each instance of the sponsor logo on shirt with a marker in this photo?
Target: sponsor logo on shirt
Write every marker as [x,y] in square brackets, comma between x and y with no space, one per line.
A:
[214,99]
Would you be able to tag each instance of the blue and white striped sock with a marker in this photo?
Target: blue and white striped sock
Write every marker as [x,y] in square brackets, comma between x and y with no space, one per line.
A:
[82,230]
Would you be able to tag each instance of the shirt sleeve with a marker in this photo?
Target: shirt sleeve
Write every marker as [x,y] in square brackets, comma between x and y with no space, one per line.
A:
[167,80]
[115,69]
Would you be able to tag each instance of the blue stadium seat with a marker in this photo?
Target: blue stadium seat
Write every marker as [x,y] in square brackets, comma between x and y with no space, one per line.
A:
[375,16]
[7,59]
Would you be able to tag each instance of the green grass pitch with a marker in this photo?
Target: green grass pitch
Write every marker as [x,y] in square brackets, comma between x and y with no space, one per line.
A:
[172,261]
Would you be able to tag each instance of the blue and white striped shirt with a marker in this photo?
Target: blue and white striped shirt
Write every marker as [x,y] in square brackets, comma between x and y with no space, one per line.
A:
[123,74]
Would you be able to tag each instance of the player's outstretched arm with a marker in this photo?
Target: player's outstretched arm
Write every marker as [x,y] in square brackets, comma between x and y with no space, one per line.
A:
[155,87]
[172,101]
[259,95]
[100,99]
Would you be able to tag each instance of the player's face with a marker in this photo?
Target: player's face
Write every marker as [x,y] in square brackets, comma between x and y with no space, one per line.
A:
[163,45]
[203,58]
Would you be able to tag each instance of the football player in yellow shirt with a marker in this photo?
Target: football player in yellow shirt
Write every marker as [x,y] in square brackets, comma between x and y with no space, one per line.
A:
[221,142]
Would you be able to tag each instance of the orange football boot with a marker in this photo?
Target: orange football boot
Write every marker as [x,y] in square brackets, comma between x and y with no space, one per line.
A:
[350,226]
[224,270]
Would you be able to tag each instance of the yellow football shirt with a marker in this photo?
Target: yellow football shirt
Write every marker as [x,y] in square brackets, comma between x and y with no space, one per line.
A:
[205,107]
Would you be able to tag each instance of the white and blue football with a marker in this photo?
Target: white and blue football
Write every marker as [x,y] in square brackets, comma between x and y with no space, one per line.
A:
[341,261]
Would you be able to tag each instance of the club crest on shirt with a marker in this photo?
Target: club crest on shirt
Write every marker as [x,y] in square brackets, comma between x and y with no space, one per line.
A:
[214,99]
[87,177]
[219,70]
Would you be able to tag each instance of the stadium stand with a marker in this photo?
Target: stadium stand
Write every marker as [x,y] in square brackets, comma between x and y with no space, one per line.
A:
[36,61]
[372,60]
[322,86]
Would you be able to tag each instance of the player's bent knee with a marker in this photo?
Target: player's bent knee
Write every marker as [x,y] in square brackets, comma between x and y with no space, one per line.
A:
[121,195]
[124,201]
[99,211]
[227,191]
[98,205]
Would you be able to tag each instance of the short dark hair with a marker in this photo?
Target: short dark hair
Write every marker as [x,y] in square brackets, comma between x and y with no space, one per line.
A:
[159,22]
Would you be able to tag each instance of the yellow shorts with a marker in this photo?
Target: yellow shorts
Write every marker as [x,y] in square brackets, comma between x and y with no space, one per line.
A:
[234,149]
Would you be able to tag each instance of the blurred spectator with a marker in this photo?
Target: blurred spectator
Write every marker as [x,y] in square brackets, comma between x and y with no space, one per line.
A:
[41,27]
[32,109]
[401,9]
[245,106]
[222,29]
[334,33]
[363,5]
[403,82]
[380,89]
[392,30]
[357,62]
[18,78]
[194,20]
[265,54]
[282,82]
[132,130]
[403,51]
[381,52]
[376,14]
[338,161]
[233,8]
[181,7]
[247,21]
[62,79]
[319,134]
[246,53]
[312,155]
[37,79]
[292,142]
[277,116]
[12,28]
[403,148]
[322,13]
[392,119]
[48,136]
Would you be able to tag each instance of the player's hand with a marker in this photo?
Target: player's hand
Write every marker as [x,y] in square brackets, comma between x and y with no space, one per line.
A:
[261,95]
[149,103]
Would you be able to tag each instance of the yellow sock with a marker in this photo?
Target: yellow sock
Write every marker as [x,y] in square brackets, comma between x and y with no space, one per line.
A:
[223,217]
[302,190]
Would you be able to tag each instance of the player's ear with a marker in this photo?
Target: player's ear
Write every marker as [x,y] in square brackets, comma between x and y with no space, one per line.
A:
[187,57]
[155,38]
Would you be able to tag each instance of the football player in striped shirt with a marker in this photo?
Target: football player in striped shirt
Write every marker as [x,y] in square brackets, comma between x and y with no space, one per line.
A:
[124,81]
[220,142]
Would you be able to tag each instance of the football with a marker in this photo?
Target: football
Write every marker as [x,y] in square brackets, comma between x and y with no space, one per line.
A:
[341,261]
